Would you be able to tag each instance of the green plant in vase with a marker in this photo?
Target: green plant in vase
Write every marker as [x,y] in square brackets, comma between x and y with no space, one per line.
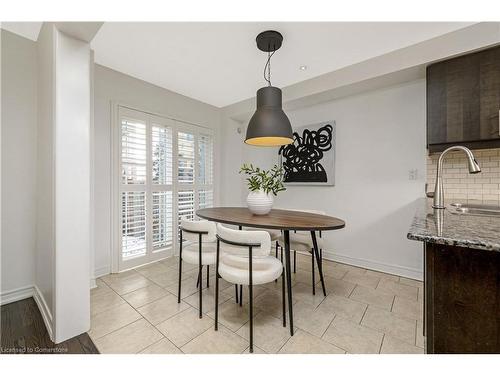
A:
[263,185]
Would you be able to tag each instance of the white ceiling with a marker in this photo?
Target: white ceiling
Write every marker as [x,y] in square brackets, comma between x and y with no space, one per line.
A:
[29,30]
[219,63]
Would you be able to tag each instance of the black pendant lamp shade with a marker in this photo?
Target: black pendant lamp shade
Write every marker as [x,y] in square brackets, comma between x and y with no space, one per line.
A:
[269,125]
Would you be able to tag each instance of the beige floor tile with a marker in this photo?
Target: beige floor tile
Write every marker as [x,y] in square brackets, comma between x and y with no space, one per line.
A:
[420,340]
[401,290]
[333,270]
[349,268]
[171,261]
[162,347]
[162,309]
[352,337]
[390,323]
[383,275]
[364,279]
[104,301]
[408,308]
[345,307]
[111,320]
[373,297]
[411,282]
[222,341]
[188,287]
[268,332]
[256,350]
[277,285]
[271,302]
[116,276]
[167,279]
[305,343]
[154,269]
[336,286]
[232,315]
[101,287]
[142,296]
[208,299]
[185,326]
[303,292]
[312,319]
[392,345]
[130,339]
[258,290]
[128,284]
[304,277]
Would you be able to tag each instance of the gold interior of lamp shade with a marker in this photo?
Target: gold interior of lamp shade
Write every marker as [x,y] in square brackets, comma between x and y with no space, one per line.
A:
[269,141]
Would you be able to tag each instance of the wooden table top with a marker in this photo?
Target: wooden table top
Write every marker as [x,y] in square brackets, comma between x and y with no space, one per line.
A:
[276,219]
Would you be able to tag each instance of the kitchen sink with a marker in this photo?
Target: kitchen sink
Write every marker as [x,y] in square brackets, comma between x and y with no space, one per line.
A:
[475,209]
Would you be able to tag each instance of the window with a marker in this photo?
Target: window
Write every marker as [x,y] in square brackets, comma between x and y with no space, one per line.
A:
[165,173]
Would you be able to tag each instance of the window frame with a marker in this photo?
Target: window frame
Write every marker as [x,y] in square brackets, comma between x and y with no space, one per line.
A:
[120,111]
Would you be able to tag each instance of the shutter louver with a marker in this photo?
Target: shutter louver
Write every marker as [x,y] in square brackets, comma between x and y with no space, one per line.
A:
[133,152]
[133,224]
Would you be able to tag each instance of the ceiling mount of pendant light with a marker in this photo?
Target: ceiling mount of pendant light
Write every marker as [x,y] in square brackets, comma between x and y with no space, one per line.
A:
[269,125]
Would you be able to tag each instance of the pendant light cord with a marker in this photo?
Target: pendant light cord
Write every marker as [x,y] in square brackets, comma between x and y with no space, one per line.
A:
[268,67]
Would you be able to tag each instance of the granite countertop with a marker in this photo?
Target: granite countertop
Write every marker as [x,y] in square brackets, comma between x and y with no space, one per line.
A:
[446,228]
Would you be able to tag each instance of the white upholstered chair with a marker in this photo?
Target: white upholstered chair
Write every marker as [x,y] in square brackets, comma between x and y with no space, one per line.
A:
[199,249]
[302,242]
[243,257]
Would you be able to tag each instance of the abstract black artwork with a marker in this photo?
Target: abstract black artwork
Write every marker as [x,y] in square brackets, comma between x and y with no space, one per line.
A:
[310,158]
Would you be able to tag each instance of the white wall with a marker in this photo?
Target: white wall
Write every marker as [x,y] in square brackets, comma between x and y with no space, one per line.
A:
[380,137]
[111,86]
[72,187]
[44,258]
[19,134]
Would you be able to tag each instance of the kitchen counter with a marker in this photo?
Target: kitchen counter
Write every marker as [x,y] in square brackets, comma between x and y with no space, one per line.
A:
[445,228]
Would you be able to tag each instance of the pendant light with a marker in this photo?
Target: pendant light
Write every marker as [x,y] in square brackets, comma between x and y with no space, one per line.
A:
[269,125]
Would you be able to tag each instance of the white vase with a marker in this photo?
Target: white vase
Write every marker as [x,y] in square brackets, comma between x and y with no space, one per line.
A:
[259,203]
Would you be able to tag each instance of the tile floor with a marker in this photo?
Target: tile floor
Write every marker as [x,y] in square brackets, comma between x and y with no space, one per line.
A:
[364,312]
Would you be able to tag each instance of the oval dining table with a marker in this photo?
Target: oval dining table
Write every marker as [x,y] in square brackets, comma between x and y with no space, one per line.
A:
[283,220]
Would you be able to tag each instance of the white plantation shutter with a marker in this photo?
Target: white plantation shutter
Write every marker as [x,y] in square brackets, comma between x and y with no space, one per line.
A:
[185,159]
[162,150]
[165,174]
[162,219]
[133,152]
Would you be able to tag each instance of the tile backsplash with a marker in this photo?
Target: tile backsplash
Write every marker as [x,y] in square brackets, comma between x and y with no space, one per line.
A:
[461,186]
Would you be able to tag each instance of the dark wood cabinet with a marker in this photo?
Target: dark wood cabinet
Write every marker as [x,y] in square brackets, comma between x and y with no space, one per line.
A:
[463,101]
[462,300]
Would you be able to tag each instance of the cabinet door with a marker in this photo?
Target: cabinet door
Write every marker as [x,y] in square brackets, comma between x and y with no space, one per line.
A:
[490,93]
[453,100]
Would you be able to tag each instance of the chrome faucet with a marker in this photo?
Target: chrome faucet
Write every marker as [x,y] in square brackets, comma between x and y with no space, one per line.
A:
[438,190]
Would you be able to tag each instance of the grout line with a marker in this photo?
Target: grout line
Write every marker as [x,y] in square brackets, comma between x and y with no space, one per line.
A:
[381,343]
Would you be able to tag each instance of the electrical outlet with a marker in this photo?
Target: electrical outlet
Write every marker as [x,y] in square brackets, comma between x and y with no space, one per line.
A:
[413,174]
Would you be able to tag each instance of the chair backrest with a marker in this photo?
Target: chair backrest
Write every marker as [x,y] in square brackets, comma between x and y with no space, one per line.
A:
[244,238]
[189,226]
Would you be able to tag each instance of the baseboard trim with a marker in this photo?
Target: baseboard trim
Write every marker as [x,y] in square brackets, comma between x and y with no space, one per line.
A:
[16,295]
[102,271]
[44,310]
[411,273]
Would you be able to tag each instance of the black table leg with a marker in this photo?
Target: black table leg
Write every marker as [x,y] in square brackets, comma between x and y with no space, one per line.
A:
[288,278]
[316,255]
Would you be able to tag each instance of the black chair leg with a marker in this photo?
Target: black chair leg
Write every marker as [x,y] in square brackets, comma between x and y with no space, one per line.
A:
[200,269]
[198,280]
[180,270]
[277,245]
[250,297]
[320,267]
[313,271]
[208,275]
[236,292]
[217,288]
[294,262]
[283,296]
[241,295]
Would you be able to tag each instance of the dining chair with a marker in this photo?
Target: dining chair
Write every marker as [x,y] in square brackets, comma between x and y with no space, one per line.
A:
[200,249]
[302,242]
[242,257]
